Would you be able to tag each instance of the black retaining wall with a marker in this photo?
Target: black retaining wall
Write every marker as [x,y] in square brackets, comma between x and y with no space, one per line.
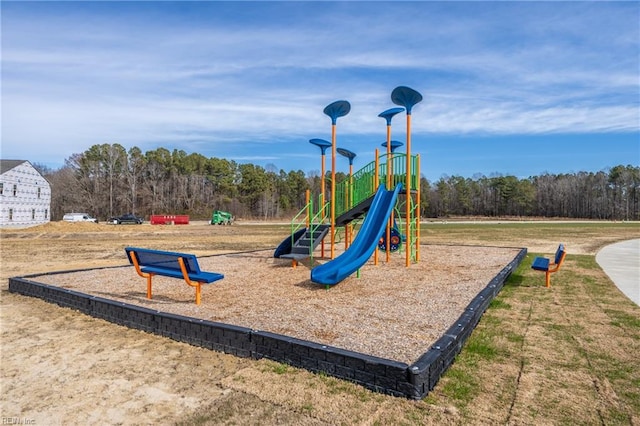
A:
[378,374]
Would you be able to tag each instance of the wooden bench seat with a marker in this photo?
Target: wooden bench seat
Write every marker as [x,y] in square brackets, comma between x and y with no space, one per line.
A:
[546,265]
[150,262]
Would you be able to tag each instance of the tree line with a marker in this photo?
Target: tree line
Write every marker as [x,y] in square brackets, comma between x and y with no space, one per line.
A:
[107,180]
[613,194]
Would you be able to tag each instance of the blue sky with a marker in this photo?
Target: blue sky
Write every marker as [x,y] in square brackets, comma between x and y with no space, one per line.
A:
[519,88]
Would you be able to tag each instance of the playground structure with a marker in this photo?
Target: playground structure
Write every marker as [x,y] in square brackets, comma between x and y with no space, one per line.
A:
[219,217]
[386,192]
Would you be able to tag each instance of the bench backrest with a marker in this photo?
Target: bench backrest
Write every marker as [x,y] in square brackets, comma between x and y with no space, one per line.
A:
[559,254]
[163,259]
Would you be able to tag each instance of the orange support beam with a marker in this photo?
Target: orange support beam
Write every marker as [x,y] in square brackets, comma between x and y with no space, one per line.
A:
[148,276]
[376,183]
[185,275]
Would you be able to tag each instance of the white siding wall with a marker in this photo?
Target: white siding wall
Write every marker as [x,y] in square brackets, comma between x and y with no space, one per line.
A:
[30,202]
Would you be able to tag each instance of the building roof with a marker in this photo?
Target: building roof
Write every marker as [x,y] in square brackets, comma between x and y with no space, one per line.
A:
[6,165]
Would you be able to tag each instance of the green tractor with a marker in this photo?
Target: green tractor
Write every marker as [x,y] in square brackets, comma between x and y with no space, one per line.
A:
[221,218]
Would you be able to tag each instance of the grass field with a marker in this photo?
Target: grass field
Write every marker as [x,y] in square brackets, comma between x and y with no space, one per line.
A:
[568,354]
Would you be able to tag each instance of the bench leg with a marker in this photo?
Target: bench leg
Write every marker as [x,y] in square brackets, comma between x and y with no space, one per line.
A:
[149,285]
[548,279]
[198,293]
[147,275]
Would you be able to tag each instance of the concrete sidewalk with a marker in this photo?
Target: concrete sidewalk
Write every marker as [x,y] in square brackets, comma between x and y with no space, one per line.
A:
[621,262]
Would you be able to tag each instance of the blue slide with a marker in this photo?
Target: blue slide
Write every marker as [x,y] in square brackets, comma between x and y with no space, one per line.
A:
[360,251]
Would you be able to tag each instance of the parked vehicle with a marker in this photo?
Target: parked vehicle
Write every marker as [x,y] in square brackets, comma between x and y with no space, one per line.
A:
[79,217]
[221,218]
[126,218]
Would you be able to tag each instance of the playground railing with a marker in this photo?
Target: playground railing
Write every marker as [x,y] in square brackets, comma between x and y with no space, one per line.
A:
[315,222]
[355,189]
[309,221]
[398,169]
[361,185]
[298,223]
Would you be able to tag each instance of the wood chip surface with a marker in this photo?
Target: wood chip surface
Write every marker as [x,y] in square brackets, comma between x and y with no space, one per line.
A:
[390,311]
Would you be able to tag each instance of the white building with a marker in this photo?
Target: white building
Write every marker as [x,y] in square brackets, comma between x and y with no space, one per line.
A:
[25,195]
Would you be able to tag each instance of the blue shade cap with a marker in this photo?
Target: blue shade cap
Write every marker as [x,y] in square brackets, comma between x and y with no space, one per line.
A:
[350,155]
[388,114]
[323,144]
[337,109]
[394,145]
[406,97]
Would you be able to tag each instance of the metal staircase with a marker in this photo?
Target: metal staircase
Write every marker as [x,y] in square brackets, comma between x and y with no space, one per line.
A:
[303,247]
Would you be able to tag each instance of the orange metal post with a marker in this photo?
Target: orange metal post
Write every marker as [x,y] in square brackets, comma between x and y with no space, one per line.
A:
[388,115]
[333,189]
[346,227]
[376,183]
[407,97]
[407,201]
[334,110]
[390,221]
[324,216]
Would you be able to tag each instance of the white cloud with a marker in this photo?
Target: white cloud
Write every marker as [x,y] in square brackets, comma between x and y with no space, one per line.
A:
[74,79]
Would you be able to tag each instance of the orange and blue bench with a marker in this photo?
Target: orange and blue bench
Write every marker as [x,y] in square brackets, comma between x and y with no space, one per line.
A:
[546,265]
[150,262]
